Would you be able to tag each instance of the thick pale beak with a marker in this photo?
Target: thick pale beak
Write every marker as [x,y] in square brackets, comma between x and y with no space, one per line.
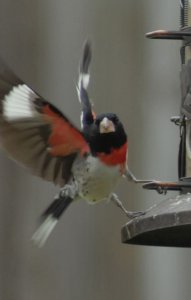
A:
[106,126]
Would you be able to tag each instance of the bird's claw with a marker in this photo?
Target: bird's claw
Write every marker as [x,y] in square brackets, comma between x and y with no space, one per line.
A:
[135,214]
[161,190]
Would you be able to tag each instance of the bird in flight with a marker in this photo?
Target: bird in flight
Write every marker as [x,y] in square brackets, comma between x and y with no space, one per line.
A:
[86,163]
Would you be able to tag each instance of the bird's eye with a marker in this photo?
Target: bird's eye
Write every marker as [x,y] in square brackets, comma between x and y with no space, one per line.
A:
[114,119]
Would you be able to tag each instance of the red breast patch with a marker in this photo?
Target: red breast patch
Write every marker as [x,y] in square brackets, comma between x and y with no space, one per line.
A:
[116,157]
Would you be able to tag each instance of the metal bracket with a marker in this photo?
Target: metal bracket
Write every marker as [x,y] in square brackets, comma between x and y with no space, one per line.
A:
[183,185]
[182,34]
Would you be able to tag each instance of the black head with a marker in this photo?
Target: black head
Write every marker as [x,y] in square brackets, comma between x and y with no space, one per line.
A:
[105,133]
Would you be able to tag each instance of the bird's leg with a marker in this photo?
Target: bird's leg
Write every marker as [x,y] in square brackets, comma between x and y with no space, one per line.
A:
[52,214]
[131,177]
[129,214]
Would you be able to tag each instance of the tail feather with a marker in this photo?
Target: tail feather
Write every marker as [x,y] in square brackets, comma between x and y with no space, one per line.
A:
[41,235]
[49,220]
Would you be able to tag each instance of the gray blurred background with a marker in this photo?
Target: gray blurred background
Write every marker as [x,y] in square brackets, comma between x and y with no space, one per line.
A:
[132,76]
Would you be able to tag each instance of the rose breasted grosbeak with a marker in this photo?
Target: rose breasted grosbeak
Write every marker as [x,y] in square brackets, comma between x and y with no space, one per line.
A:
[86,164]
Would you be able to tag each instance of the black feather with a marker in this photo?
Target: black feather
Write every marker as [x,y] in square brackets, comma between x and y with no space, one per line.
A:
[86,59]
[57,207]
[87,117]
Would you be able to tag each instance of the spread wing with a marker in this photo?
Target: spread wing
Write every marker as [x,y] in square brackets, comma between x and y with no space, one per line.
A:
[35,133]
[87,114]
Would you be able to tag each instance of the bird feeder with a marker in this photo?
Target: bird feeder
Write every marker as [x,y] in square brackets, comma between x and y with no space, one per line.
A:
[169,222]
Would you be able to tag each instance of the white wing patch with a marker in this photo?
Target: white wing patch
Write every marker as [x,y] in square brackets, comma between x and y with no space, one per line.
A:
[81,120]
[19,103]
[83,82]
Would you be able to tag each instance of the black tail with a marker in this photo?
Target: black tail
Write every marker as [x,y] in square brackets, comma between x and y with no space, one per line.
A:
[57,207]
[50,218]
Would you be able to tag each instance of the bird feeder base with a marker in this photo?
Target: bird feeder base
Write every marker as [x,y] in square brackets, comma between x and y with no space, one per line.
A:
[165,224]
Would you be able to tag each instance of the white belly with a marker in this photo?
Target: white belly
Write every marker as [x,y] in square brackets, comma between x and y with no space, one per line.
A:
[96,181]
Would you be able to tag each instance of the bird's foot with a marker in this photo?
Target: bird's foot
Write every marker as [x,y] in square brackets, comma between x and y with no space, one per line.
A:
[129,214]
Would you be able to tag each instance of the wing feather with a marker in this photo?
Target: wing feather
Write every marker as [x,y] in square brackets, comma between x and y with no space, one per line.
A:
[35,133]
[87,115]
